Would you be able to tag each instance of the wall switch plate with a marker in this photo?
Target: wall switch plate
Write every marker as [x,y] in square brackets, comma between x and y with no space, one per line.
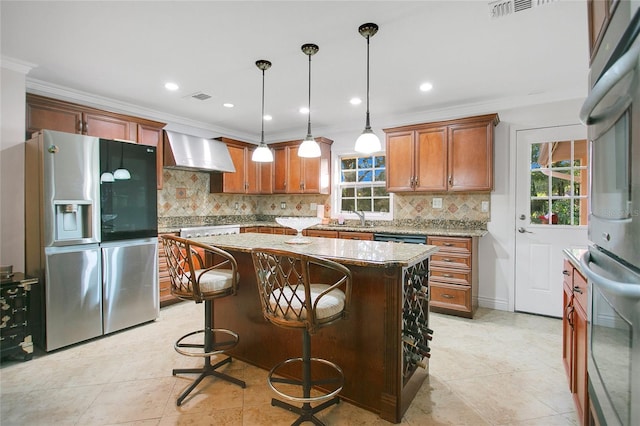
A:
[437,203]
[313,207]
[484,206]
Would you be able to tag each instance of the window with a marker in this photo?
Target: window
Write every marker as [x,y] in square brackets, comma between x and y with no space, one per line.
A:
[362,185]
[559,183]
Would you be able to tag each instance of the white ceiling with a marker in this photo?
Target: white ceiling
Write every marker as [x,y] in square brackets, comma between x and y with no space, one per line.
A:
[121,53]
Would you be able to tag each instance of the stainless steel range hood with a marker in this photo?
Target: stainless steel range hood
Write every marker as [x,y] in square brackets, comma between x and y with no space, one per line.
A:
[186,152]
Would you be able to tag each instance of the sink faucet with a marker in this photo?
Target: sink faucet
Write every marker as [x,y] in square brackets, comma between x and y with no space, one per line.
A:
[360,215]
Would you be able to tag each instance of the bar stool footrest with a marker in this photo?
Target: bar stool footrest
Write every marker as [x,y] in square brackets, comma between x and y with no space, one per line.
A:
[217,347]
[338,379]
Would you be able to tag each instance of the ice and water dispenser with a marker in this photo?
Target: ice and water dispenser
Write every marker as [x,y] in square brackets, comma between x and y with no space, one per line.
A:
[73,220]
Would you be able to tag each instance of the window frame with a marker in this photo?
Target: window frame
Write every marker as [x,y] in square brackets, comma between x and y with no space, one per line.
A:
[337,191]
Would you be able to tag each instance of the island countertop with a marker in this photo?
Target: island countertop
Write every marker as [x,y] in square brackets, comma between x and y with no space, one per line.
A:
[353,252]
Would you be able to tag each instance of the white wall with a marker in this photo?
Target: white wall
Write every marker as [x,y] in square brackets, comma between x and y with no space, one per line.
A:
[12,132]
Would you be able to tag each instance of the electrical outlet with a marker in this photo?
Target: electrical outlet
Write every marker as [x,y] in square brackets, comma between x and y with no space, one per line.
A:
[313,207]
[484,206]
[437,203]
[236,206]
[283,205]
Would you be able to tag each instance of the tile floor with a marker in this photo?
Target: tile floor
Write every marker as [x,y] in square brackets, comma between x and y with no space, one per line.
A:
[501,368]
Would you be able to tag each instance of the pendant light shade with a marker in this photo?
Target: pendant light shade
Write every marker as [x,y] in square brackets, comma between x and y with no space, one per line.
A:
[368,142]
[309,147]
[262,153]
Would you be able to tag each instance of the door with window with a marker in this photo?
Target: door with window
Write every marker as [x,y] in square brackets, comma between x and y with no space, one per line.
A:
[551,212]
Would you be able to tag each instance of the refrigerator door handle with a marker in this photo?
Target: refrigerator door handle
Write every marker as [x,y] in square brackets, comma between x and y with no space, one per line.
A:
[623,289]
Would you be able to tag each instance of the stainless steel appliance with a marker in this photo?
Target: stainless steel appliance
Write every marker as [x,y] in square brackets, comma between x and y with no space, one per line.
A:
[400,238]
[612,263]
[89,287]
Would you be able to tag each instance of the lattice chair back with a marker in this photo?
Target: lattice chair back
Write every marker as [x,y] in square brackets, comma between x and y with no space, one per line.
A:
[199,271]
[288,296]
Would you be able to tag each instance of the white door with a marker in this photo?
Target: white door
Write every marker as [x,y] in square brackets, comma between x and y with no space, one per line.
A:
[551,212]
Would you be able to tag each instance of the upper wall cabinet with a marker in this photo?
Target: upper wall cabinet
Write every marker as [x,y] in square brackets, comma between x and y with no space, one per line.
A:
[52,114]
[297,175]
[454,155]
[249,178]
[599,13]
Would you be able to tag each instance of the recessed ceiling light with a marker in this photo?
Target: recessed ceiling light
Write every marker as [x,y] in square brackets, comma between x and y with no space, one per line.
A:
[228,105]
[304,110]
[425,87]
[171,86]
[267,117]
[355,101]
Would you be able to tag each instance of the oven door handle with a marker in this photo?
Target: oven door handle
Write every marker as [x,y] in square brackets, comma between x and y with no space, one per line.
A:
[609,79]
[628,290]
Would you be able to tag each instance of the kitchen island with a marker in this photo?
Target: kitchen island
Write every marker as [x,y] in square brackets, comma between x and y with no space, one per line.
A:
[381,363]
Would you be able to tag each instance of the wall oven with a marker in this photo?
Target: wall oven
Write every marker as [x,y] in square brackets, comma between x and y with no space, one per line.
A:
[612,263]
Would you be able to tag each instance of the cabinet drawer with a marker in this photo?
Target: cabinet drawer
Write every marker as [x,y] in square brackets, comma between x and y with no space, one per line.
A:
[449,275]
[450,296]
[451,260]
[451,244]
[580,289]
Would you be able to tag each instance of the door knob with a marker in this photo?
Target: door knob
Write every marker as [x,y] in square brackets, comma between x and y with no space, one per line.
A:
[522,217]
[522,230]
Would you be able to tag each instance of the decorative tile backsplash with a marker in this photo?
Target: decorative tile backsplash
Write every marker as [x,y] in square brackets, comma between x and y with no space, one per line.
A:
[185,197]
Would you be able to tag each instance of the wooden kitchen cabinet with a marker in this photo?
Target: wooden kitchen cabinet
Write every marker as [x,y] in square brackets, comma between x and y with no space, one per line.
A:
[574,338]
[353,235]
[166,298]
[250,177]
[324,233]
[454,155]
[52,114]
[297,175]
[453,280]
[599,14]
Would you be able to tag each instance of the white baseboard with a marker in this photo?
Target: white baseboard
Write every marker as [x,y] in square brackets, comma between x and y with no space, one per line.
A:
[500,305]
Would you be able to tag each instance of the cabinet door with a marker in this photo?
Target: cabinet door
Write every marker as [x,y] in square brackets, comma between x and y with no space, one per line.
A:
[310,171]
[265,176]
[149,135]
[431,160]
[252,174]
[280,170]
[400,170]
[235,183]
[295,177]
[108,127]
[347,235]
[52,117]
[470,151]
[580,361]
[567,334]
[598,15]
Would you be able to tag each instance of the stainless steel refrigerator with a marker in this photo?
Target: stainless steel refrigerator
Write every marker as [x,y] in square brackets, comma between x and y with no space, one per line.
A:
[97,262]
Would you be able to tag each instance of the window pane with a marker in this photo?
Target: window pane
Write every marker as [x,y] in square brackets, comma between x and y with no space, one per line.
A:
[381,175]
[580,152]
[380,191]
[348,204]
[380,161]
[364,205]
[539,184]
[561,212]
[364,192]
[560,186]
[348,163]
[536,149]
[381,205]
[349,192]
[365,175]
[560,154]
[365,162]
[349,176]
[539,208]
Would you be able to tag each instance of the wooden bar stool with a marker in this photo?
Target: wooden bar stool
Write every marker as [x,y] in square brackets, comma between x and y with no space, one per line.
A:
[291,298]
[202,273]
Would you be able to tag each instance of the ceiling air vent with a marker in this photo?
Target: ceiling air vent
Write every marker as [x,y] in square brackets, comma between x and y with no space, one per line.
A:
[201,96]
[500,8]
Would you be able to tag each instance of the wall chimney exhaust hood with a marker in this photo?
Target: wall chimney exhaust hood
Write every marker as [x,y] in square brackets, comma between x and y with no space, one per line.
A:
[186,152]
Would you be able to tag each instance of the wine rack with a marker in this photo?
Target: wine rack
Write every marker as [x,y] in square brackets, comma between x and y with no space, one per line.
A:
[416,333]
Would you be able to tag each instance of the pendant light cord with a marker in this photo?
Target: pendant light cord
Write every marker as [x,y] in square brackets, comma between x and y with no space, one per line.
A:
[367,123]
[262,117]
[309,106]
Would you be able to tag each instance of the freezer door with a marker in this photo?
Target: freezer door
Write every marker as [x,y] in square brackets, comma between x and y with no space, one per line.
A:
[130,283]
[73,295]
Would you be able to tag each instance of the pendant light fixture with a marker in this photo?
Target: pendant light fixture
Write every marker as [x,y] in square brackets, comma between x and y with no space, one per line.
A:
[368,142]
[122,173]
[262,153]
[309,147]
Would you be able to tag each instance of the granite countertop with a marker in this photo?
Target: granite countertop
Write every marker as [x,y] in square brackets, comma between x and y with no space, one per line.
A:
[353,252]
[574,255]
[390,229]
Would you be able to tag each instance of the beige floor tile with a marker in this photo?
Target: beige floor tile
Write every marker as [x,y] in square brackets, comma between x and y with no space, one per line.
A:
[500,368]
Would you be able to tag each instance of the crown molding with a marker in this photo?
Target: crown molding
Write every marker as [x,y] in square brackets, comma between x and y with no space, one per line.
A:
[16,65]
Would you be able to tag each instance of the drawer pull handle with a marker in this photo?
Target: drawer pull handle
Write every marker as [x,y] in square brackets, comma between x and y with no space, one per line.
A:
[565,272]
[577,289]
[446,259]
[447,296]
[447,275]
[447,244]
